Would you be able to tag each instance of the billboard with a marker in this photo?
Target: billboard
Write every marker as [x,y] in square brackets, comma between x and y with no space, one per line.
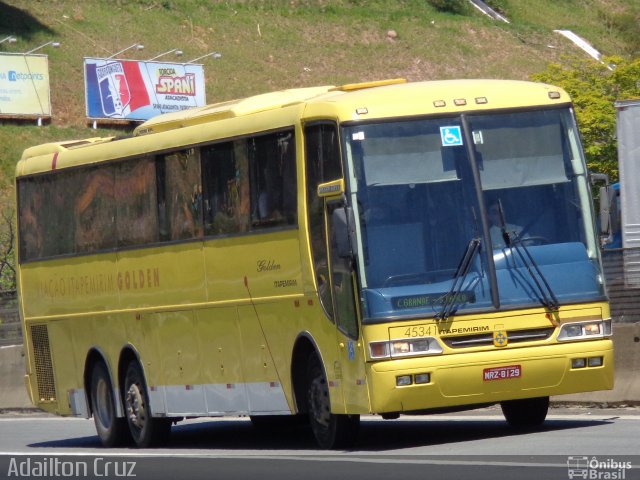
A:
[137,90]
[24,85]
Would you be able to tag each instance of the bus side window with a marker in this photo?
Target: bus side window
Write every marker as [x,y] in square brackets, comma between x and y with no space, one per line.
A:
[180,195]
[273,180]
[137,215]
[225,188]
[31,194]
[94,208]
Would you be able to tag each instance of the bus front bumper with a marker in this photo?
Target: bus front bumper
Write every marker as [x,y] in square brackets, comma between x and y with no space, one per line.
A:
[489,376]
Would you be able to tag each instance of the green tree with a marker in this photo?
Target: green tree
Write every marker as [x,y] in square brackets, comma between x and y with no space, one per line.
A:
[594,88]
[7,241]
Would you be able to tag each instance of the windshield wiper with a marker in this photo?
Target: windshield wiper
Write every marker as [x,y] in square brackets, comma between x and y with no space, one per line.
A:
[451,298]
[546,295]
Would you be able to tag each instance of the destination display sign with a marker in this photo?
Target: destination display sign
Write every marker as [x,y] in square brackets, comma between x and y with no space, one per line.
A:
[432,300]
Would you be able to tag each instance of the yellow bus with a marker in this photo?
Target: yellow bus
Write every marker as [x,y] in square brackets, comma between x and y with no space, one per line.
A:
[379,248]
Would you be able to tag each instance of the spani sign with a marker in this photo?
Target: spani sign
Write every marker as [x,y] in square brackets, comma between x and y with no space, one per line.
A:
[132,90]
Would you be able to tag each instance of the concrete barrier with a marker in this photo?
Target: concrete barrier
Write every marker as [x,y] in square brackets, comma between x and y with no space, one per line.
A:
[626,339]
[13,394]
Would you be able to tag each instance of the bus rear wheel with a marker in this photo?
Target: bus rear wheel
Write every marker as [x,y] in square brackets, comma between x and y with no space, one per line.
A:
[146,430]
[526,413]
[111,430]
[331,431]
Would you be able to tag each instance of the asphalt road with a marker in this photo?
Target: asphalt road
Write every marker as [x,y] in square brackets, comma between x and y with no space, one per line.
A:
[584,443]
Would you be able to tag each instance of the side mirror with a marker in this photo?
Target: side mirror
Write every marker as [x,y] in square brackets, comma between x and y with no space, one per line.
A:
[343,231]
[608,212]
[605,211]
[599,177]
[609,215]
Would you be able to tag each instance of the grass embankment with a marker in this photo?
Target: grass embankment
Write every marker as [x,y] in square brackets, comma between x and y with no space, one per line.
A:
[273,44]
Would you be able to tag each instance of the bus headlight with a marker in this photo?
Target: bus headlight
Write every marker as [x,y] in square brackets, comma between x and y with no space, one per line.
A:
[585,330]
[405,348]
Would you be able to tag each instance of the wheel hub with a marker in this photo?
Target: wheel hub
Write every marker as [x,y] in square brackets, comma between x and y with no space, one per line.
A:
[135,407]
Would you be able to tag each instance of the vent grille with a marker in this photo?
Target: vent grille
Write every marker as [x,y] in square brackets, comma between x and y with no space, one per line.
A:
[44,366]
[515,336]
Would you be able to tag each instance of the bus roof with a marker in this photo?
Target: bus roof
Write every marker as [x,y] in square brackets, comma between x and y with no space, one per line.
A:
[351,102]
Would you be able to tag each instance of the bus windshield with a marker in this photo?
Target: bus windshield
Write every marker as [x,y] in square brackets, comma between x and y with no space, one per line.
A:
[481,212]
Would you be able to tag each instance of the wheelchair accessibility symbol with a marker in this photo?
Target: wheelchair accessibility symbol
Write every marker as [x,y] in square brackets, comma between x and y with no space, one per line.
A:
[451,136]
[352,351]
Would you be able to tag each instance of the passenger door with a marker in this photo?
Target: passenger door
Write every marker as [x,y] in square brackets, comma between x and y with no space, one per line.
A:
[334,276]
[344,288]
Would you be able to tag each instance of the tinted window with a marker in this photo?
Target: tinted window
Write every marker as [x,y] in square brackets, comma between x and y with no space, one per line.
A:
[249,184]
[180,195]
[226,188]
[273,180]
[137,212]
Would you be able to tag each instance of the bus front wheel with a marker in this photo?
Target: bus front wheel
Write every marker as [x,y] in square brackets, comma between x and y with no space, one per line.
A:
[526,413]
[145,429]
[331,431]
[112,430]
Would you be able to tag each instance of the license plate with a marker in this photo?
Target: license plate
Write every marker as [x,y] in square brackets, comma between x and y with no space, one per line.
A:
[502,373]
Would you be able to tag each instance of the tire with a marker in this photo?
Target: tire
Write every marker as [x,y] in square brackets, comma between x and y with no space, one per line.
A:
[331,431]
[146,431]
[112,430]
[527,413]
